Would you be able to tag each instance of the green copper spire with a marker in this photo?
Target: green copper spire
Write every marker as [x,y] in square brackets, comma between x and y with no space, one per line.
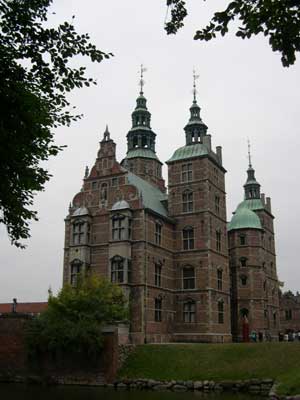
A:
[141,135]
[252,187]
[195,128]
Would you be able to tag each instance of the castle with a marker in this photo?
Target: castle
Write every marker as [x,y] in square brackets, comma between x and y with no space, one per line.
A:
[189,276]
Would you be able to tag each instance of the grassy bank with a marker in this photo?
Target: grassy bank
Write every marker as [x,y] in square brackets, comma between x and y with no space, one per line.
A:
[280,361]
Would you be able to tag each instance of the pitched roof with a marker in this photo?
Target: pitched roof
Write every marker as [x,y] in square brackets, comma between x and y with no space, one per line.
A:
[151,195]
[30,308]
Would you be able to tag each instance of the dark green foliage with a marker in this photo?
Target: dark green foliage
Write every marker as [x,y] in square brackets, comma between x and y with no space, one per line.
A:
[279,20]
[35,76]
[73,320]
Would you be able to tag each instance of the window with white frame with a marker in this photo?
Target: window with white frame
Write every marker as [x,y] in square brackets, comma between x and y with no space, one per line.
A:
[188,238]
[187,172]
[187,201]
[118,227]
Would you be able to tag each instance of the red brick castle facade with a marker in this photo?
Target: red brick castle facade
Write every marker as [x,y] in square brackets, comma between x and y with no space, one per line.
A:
[169,251]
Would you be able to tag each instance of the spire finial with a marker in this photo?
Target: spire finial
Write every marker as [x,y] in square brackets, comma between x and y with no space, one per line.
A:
[106,135]
[249,153]
[195,77]
[142,82]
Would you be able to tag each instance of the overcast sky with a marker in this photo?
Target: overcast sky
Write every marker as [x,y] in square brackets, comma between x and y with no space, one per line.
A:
[243,90]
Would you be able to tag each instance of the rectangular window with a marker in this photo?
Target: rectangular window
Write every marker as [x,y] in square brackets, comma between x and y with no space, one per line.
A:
[114,182]
[158,234]
[189,312]
[242,240]
[217,204]
[118,228]
[157,275]
[188,238]
[220,312]
[78,232]
[218,240]
[94,185]
[288,315]
[188,278]
[186,172]
[117,270]
[220,279]
[187,201]
[243,262]
[157,310]
[75,270]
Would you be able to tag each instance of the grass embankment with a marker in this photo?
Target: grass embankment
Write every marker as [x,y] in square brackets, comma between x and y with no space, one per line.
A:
[280,361]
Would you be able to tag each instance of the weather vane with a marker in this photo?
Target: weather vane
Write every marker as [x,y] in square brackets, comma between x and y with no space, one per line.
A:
[142,82]
[249,153]
[195,77]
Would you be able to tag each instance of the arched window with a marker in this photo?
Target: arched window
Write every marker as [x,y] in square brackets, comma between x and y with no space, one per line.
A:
[76,269]
[187,201]
[189,311]
[243,279]
[103,191]
[188,238]
[117,269]
[221,311]
[220,278]
[244,312]
[188,278]
[243,261]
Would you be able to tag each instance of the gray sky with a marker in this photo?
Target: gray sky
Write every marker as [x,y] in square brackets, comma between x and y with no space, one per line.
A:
[243,91]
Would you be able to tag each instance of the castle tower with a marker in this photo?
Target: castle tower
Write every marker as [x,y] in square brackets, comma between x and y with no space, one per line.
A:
[141,158]
[255,301]
[198,205]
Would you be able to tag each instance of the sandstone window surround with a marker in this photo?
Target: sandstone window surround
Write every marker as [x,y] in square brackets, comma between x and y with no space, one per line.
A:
[187,201]
[220,278]
[221,311]
[189,312]
[80,232]
[158,309]
[187,172]
[158,232]
[120,269]
[188,240]
[157,274]
[188,278]
[76,268]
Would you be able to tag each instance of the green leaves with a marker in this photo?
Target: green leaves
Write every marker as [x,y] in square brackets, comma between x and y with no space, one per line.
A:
[35,77]
[72,323]
[279,20]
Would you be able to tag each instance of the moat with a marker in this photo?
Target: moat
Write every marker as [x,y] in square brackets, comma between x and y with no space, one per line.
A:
[36,392]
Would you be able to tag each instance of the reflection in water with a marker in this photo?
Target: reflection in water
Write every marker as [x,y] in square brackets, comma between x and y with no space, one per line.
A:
[33,392]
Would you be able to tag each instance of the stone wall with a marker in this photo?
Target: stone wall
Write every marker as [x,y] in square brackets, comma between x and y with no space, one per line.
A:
[14,365]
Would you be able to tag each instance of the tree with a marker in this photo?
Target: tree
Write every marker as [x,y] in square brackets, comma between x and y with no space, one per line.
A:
[35,78]
[279,20]
[73,320]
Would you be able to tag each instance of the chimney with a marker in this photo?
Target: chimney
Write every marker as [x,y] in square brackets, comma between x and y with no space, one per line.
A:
[268,207]
[206,140]
[263,199]
[14,306]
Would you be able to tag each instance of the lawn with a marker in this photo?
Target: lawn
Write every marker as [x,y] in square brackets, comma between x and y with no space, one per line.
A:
[280,361]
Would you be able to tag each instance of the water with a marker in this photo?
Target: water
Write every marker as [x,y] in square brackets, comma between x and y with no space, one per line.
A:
[35,392]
